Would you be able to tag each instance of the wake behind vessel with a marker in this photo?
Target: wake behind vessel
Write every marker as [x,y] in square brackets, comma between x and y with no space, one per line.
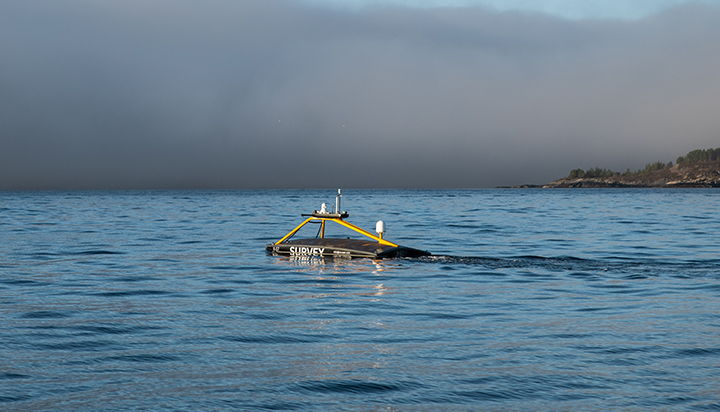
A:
[374,247]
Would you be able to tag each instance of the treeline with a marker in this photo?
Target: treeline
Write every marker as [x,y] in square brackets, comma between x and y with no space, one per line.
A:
[698,156]
[695,156]
[597,172]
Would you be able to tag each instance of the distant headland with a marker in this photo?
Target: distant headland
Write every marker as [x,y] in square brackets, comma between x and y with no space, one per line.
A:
[698,168]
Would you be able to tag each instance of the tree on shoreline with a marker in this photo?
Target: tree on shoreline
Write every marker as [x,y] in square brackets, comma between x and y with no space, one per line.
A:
[698,156]
[695,156]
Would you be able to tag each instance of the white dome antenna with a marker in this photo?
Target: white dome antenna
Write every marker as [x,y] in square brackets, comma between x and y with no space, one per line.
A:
[380,228]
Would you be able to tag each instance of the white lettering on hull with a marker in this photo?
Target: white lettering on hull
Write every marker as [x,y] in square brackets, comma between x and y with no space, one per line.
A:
[302,250]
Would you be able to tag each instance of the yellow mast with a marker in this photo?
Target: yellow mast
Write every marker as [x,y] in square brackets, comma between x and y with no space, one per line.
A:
[323,216]
[339,221]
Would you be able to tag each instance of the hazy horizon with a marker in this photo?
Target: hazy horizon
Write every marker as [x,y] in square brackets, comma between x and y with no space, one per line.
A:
[296,94]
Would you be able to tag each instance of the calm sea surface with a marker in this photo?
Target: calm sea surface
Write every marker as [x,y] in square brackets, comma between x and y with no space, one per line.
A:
[565,300]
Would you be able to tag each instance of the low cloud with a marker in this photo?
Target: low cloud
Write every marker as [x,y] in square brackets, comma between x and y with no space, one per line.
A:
[272,93]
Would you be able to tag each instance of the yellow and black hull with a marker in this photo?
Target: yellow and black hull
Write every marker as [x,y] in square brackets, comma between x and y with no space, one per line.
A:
[342,248]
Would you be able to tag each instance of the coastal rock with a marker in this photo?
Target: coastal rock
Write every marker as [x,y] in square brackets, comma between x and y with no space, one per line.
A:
[706,174]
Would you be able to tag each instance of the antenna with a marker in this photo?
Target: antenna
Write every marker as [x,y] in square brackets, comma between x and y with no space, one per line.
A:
[337,202]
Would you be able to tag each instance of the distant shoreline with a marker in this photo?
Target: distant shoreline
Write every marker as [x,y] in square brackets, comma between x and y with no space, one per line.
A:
[697,169]
[586,184]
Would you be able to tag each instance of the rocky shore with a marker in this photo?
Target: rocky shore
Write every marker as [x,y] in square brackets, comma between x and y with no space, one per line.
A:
[705,174]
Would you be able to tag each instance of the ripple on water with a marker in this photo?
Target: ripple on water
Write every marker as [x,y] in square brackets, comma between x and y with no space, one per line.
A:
[354,387]
[535,300]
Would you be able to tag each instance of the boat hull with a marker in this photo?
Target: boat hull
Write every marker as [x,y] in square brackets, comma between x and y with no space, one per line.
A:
[342,248]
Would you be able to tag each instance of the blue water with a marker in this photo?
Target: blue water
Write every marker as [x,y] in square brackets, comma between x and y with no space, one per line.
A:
[535,300]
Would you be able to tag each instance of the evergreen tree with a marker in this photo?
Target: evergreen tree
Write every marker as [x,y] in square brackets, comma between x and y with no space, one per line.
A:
[695,156]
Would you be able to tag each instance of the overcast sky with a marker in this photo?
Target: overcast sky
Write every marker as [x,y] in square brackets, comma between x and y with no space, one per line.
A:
[571,9]
[328,94]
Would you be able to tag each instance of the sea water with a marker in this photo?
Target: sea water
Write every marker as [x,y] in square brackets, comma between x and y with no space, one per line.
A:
[566,299]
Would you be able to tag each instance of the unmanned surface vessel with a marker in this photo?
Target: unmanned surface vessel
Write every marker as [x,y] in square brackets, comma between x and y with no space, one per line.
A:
[375,247]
